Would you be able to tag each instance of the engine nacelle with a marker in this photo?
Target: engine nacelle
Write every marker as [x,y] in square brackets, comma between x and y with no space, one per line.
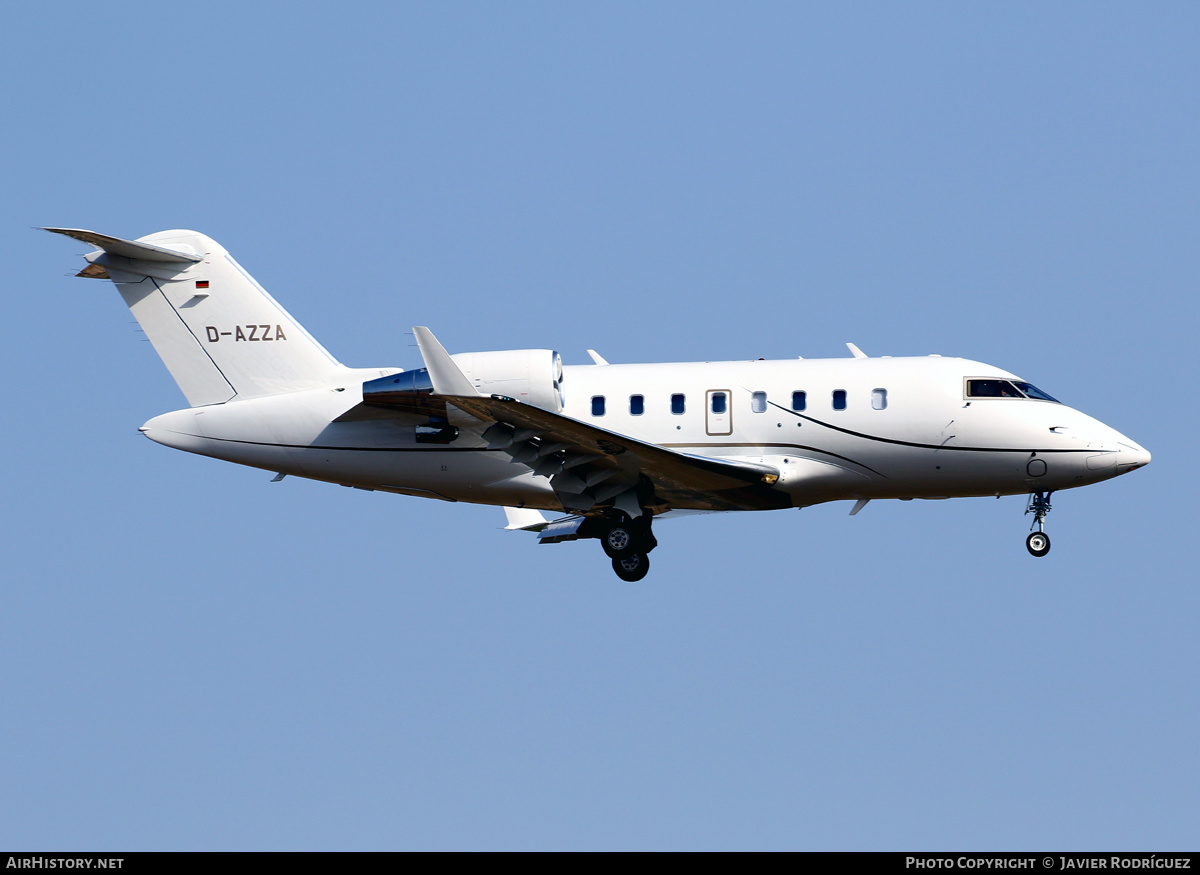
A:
[533,376]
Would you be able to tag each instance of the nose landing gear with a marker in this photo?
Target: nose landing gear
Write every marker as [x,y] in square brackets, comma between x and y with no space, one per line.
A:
[1038,543]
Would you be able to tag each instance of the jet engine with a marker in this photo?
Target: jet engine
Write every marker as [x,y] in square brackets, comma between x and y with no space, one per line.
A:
[533,376]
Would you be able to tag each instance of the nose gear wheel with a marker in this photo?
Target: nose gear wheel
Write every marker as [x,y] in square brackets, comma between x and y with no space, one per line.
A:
[1038,543]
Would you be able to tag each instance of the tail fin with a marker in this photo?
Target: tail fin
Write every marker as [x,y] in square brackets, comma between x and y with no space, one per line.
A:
[218,331]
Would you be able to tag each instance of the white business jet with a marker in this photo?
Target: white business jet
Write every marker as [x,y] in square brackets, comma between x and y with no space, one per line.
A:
[605,448]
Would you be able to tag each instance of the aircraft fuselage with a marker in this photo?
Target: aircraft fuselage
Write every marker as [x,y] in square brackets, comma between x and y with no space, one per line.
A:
[867,428]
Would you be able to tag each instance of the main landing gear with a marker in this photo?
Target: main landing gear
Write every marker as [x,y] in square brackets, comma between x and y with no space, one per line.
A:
[627,541]
[1038,543]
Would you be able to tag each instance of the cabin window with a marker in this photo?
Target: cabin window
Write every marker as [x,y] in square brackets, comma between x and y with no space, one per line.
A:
[879,399]
[677,404]
[839,399]
[597,405]
[719,402]
[758,402]
[637,405]
[799,400]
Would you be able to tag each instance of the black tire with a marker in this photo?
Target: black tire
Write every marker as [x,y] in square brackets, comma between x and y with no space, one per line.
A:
[1038,544]
[619,541]
[633,567]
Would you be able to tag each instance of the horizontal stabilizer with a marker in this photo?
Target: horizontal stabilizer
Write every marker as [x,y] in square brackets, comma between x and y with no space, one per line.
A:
[128,248]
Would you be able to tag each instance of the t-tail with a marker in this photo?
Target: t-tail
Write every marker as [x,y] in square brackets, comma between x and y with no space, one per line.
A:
[217,330]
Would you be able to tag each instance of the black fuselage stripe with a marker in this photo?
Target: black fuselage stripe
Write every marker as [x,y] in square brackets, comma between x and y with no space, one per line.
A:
[883,440]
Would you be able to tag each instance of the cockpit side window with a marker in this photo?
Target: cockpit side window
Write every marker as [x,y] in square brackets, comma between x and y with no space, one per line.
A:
[1034,392]
[992,389]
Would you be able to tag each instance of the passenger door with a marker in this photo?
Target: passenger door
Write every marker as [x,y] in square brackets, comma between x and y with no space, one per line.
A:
[718,412]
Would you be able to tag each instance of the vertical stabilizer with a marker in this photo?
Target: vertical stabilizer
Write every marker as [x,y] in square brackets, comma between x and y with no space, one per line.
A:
[217,330]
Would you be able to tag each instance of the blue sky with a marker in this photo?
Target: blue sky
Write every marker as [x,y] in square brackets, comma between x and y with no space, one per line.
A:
[196,658]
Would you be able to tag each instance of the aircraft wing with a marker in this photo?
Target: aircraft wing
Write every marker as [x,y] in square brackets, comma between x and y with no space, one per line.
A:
[590,466]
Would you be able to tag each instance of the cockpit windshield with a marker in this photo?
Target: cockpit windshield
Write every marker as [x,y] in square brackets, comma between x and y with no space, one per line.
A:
[1034,392]
[1006,389]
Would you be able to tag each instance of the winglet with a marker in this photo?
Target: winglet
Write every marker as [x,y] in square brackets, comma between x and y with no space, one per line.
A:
[446,376]
[596,357]
[856,352]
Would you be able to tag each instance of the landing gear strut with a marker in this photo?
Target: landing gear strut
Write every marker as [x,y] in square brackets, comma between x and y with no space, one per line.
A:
[627,542]
[1038,543]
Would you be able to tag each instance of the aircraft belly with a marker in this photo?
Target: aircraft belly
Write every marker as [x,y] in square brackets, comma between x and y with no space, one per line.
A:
[956,473]
[473,475]
[812,481]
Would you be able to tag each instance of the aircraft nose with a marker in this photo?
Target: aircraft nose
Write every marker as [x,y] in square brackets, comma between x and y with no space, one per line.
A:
[1115,454]
[1131,457]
